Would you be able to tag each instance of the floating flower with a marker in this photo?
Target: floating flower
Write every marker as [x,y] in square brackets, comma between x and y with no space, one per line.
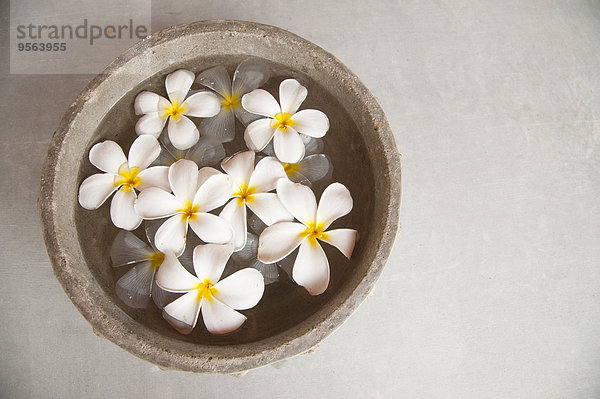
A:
[218,300]
[251,188]
[282,122]
[125,175]
[249,75]
[156,109]
[194,195]
[311,268]
[137,286]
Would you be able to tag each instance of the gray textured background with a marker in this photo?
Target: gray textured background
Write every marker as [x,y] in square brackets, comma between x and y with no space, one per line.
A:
[493,288]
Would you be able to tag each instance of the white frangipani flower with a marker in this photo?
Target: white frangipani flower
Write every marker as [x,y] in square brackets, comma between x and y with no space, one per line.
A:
[218,300]
[311,268]
[156,109]
[251,186]
[195,193]
[137,286]
[249,75]
[283,122]
[125,175]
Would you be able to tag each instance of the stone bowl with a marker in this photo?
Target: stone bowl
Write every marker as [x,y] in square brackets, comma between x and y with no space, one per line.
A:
[288,320]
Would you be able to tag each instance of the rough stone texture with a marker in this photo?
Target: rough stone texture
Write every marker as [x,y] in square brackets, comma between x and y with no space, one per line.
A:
[86,278]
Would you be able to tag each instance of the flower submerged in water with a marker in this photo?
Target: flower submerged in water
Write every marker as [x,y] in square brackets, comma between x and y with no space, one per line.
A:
[251,186]
[195,193]
[124,175]
[249,75]
[218,300]
[136,287]
[156,109]
[311,268]
[283,122]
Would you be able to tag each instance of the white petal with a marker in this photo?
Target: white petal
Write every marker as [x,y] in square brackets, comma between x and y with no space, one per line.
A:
[311,269]
[217,79]
[206,152]
[127,249]
[211,228]
[279,240]
[249,75]
[235,213]
[122,213]
[298,199]
[220,318]
[155,203]
[335,202]
[173,277]
[288,145]
[248,253]
[203,104]
[342,239]
[147,102]
[260,102]
[291,95]
[162,297]
[144,150]
[171,235]
[183,177]
[96,189]
[315,167]
[183,133]
[178,85]
[239,167]
[107,156]
[269,208]
[311,122]
[210,260]
[266,173]
[135,287]
[152,124]
[185,309]
[206,172]
[258,134]
[156,176]
[220,127]
[242,290]
[213,193]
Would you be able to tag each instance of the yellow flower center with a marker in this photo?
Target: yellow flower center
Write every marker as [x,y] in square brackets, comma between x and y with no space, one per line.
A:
[232,101]
[157,259]
[290,168]
[127,178]
[189,211]
[314,231]
[244,194]
[282,121]
[206,289]
[175,110]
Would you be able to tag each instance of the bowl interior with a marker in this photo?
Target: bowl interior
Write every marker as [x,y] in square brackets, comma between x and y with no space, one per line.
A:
[284,305]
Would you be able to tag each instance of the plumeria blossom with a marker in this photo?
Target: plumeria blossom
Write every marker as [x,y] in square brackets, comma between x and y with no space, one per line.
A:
[251,186]
[311,268]
[137,286]
[314,167]
[195,193]
[249,75]
[124,175]
[283,121]
[206,152]
[203,292]
[156,110]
